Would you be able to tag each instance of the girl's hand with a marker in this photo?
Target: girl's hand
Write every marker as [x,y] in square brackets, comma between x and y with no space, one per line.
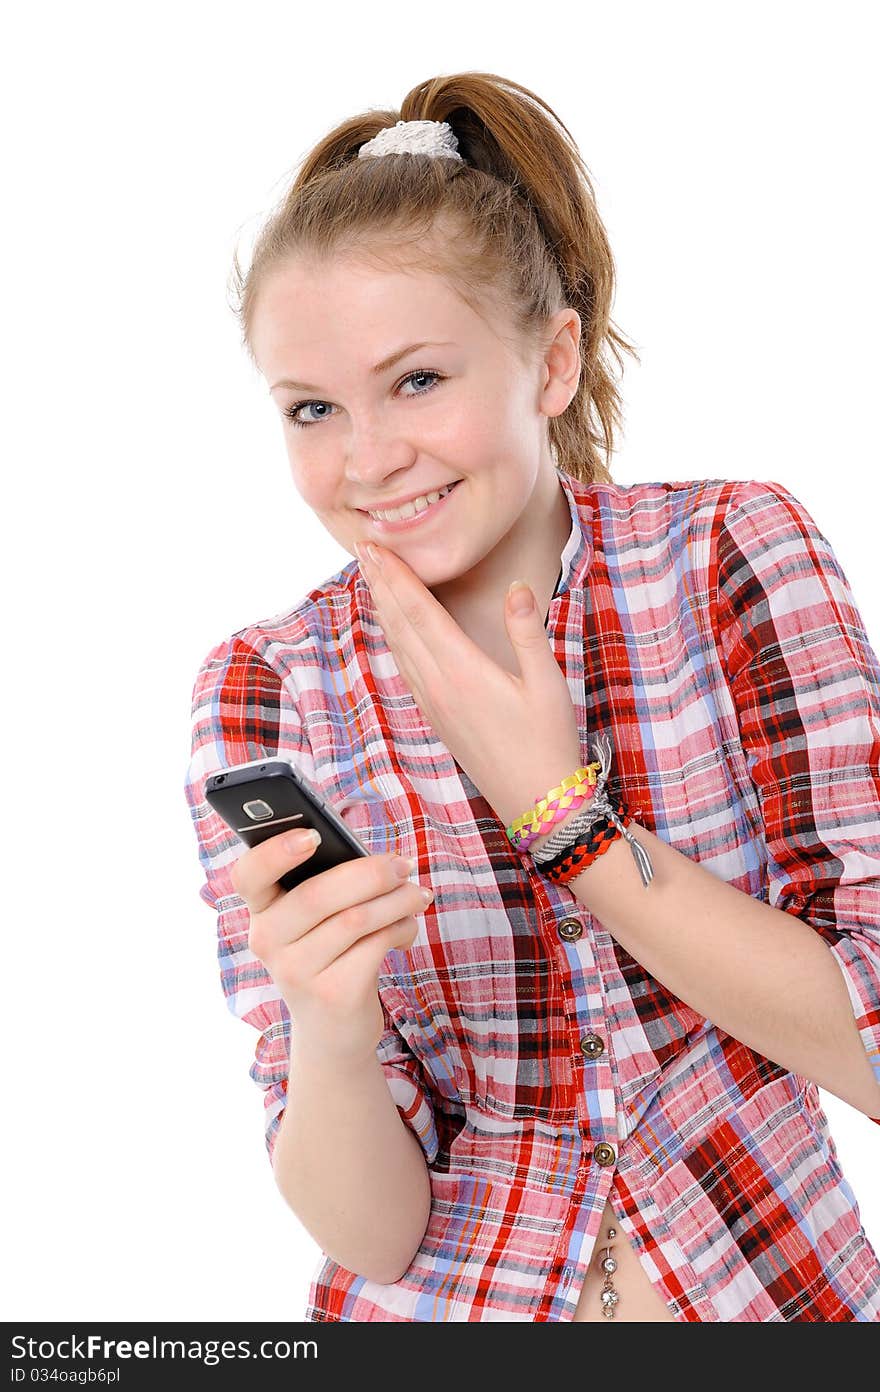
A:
[516,737]
[324,941]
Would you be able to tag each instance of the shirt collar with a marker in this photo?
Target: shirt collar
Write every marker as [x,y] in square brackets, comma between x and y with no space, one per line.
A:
[577,554]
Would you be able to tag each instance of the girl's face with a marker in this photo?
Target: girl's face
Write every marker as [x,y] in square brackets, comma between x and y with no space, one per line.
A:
[371,426]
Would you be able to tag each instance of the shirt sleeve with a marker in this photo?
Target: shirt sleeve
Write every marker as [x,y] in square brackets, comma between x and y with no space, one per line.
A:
[806,686]
[242,709]
[408,1086]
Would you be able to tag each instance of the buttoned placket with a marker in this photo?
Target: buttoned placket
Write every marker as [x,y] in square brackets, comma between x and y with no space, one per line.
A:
[570,927]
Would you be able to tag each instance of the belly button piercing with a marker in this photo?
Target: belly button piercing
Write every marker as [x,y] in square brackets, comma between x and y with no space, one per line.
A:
[608,1295]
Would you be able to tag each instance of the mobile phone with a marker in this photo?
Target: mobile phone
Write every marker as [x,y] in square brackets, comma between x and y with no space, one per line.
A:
[265,797]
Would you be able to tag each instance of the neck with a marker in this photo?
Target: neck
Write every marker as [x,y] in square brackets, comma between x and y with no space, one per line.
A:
[476,601]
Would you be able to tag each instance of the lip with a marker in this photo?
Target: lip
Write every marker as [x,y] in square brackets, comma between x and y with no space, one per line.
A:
[406,523]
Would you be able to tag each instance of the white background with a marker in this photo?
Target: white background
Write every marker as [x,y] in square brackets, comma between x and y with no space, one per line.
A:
[150,513]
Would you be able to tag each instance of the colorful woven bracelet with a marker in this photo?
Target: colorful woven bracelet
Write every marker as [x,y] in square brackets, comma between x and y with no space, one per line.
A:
[585,849]
[602,819]
[575,790]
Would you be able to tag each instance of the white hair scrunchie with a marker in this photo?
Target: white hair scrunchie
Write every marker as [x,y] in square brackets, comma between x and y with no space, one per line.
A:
[434,138]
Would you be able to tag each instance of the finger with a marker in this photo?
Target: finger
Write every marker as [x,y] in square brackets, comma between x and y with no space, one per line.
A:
[335,890]
[256,873]
[420,632]
[392,588]
[340,933]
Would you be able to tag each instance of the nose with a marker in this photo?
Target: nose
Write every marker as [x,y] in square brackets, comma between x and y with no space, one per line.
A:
[375,455]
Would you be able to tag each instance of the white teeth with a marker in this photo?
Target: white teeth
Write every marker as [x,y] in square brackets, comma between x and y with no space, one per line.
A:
[415,506]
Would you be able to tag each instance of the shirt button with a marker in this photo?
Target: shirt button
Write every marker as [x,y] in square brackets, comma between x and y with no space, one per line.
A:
[592,1046]
[604,1154]
[570,929]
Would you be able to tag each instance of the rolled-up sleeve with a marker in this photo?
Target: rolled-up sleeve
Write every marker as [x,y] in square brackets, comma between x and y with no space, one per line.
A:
[806,685]
[243,709]
[408,1085]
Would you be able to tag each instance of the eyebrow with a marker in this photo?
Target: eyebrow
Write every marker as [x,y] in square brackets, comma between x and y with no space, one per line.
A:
[384,366]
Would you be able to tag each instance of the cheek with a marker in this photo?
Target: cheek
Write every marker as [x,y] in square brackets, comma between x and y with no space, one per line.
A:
[470,437]
[313,485]
[488,426]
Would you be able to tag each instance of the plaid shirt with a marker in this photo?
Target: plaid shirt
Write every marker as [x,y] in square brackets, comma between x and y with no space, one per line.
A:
[709,628]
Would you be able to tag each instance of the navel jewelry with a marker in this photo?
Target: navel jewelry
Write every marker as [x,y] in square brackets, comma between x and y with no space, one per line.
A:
[608,1295]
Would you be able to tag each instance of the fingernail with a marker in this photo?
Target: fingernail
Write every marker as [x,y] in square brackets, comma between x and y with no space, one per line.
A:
[520,597]
[373,554]
[303,839]
[403,867]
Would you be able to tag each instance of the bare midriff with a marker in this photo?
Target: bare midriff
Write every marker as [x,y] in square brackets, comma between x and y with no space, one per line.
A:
[638,1298]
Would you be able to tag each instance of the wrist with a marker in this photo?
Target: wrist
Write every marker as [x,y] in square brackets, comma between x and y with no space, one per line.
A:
[526,802]
[562,823]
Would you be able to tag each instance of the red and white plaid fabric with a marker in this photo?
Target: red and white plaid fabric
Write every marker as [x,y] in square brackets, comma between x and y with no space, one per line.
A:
[708,627]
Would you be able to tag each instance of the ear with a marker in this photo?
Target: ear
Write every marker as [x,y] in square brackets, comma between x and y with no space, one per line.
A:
[562,361]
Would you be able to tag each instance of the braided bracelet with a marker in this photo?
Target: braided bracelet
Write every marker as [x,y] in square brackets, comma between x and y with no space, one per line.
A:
[602,820]
[568,795]
[584,843]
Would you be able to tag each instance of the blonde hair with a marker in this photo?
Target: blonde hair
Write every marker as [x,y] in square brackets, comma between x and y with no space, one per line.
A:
[513,229]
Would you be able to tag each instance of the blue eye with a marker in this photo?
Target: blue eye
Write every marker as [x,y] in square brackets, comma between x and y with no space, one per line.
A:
[291,412]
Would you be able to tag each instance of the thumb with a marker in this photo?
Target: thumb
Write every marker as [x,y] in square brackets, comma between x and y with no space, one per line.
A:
[524,627]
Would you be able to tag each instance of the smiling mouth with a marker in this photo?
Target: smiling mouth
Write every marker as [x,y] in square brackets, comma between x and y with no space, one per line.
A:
[409,512]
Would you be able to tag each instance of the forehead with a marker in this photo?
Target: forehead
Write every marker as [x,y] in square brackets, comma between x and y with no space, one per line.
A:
[312,315]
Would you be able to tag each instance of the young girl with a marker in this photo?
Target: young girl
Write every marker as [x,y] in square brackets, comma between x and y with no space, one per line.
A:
[581,1081]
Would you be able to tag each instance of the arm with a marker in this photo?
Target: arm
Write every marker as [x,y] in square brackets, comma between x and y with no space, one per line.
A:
[243,709]
[761,974]
[796,978]
[350,1168]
